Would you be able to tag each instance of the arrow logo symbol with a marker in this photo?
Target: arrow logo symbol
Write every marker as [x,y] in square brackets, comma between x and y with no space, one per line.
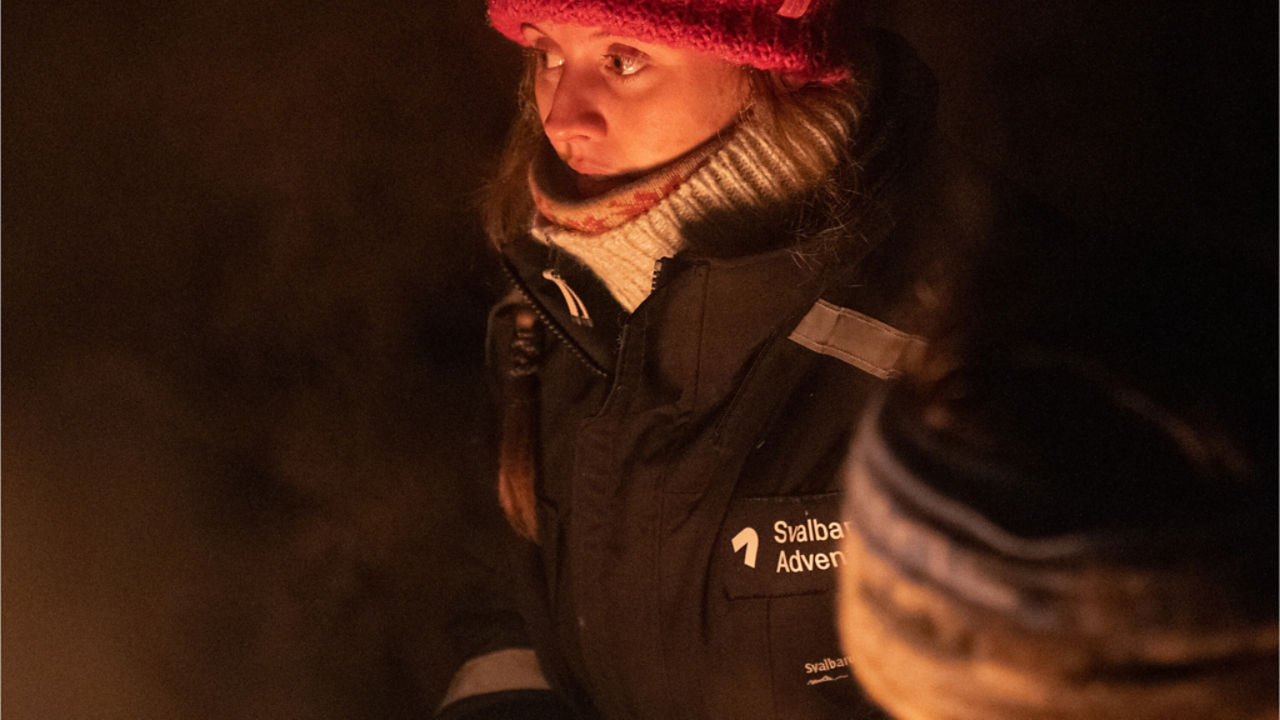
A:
[747,538]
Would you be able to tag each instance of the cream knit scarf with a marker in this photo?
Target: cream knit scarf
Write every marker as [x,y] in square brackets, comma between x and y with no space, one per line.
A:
[621,234]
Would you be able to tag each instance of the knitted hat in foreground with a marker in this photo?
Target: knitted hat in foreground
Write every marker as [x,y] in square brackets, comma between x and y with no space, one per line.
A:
[786,35]
[1109,613]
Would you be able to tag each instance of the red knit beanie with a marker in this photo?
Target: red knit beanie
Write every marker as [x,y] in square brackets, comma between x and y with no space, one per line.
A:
[786,35]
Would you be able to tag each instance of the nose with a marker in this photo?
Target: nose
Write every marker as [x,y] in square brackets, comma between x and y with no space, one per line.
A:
[573,109]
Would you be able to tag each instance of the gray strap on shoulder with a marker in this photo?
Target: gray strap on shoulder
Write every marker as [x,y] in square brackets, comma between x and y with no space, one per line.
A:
[860,340]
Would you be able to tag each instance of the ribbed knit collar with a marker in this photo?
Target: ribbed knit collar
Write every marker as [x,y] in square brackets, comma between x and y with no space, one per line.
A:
[746,170]
[561,204]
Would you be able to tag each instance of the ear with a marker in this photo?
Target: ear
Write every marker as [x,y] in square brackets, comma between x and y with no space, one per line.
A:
[790,80]
[793,80]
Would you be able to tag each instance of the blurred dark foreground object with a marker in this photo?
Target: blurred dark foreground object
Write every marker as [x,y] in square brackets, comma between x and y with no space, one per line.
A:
[1068,510]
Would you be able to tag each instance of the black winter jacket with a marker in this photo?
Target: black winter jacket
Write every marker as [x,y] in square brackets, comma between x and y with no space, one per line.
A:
[689,494]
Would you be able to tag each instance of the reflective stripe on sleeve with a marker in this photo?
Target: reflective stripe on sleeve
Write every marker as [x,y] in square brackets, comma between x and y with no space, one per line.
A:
[509,669]
[857,339]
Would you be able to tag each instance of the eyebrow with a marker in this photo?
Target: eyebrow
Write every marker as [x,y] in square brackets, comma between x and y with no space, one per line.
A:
[597,34]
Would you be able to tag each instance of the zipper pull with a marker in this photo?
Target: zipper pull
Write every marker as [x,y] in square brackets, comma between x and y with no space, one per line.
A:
[577,310]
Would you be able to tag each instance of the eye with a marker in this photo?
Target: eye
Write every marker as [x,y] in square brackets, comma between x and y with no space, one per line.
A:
[546,59]
[625,63]
[549,59]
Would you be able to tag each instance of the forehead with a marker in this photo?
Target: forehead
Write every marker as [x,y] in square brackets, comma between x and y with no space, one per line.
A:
[568,36]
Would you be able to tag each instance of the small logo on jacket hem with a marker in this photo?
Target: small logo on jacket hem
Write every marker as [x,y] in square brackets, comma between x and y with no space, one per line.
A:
[826,664]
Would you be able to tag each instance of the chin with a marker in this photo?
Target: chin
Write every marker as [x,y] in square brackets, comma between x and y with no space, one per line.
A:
[591,168]
[589,185]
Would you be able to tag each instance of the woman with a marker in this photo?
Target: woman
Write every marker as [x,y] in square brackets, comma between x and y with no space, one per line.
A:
[713,215]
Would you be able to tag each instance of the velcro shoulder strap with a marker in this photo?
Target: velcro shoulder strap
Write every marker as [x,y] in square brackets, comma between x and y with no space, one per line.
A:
[860,340]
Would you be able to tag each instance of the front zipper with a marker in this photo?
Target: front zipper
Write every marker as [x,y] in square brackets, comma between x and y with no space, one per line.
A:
[662,268]
[658,265]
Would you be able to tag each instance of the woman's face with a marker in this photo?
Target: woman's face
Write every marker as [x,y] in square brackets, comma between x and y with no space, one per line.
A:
[616,106]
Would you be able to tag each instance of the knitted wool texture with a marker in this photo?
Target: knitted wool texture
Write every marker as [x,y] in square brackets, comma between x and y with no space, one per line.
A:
[615,207]
[745,171]
[744,32]
[946,614]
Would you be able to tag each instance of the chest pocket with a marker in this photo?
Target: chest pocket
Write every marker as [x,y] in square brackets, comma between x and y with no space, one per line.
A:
[779,546]
[774,572]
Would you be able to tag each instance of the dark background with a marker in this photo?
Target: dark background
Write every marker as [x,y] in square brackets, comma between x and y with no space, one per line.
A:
[244,292]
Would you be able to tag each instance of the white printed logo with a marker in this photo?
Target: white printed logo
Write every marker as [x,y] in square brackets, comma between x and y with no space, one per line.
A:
[747,537]
[827,666]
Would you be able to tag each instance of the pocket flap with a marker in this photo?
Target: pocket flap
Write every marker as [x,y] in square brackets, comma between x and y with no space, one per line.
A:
[774,546]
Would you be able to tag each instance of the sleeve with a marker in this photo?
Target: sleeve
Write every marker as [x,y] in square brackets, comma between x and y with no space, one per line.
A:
[505,684]
[500,676]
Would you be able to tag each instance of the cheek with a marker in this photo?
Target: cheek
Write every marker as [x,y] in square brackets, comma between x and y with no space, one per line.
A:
[646,130]
[683,116]
[723,96]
